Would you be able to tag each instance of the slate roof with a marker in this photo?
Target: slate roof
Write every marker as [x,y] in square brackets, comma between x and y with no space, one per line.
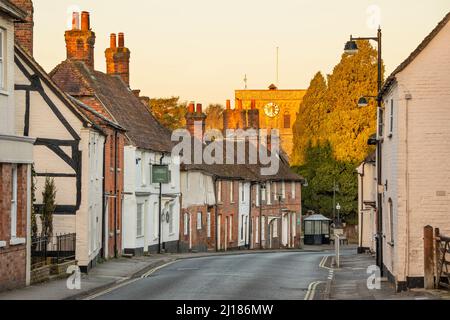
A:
[390,80]
[121,104]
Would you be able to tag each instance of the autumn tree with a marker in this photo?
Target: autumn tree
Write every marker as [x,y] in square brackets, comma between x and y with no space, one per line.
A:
[331,131]
[348,127]
[309,123]
[214,118]
[170,112]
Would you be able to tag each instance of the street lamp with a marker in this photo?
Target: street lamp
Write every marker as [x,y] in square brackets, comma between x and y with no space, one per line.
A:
[351,47]
[338,208]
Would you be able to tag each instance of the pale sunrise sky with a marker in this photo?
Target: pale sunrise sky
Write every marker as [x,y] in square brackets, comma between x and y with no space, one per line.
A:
[201,49]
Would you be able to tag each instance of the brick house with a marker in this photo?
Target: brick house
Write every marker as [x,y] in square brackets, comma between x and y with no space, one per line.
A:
[223,205]
[77,77]
[70,143]
[414,133]
[132,198]
[16,158]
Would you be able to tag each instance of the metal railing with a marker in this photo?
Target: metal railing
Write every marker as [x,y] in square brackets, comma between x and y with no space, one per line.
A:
[51,250]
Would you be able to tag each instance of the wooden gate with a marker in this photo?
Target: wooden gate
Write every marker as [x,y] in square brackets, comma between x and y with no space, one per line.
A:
[442,260]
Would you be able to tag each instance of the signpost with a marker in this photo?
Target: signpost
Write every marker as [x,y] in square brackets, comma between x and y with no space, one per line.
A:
[160,175]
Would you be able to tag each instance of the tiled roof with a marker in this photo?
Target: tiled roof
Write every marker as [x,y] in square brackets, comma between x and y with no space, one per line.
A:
[390,80]
[246,172]
[143,130]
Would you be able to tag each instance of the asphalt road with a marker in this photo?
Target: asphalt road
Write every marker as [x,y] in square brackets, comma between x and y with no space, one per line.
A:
[268,276]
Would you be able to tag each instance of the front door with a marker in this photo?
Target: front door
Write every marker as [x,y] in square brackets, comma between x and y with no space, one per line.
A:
[219,234]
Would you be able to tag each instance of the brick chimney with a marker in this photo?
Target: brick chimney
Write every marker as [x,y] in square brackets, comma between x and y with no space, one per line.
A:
[241,116]
[80,40]
[227,116]
[24,30]
[253,116]
[194,116]
[118,58]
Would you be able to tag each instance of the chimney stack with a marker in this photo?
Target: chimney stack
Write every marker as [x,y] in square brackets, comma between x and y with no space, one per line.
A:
[23,31]
[80,42]
[196,117]
[253,116]
[118,58]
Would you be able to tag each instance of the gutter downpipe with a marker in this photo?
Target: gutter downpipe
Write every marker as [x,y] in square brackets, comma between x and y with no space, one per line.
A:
[116,147]
[104,203]
[216,213]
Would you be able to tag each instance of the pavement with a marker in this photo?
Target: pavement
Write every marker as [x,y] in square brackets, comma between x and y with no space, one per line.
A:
[349,282]
[121,271]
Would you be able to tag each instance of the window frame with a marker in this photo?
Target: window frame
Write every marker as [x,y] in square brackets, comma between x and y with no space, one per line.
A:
[140,221]
[14,207]
[199,220]
[3,57]
[391,119]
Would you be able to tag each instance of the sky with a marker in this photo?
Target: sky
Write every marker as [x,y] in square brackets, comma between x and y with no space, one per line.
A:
[201,50]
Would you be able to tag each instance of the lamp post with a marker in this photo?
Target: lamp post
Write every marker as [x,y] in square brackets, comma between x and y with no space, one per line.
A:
[338,208]
[351,47]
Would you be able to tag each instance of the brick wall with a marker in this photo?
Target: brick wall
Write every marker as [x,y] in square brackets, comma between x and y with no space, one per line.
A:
[24,30]
[200,240]
[13,258]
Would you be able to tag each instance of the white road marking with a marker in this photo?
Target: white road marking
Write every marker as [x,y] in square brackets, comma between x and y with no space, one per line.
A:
[127,281]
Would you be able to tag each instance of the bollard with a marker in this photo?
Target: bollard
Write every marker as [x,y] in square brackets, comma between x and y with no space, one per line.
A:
[428,238]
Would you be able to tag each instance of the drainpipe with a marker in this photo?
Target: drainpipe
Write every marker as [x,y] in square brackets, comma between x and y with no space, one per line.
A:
[104,204]
[408,97]
[216,214]
[116,149]
[360,250]
[250,221]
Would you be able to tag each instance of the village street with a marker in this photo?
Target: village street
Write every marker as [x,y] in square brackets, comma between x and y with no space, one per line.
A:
[269,276]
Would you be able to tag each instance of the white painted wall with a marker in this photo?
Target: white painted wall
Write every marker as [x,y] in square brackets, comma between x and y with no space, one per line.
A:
[244,214]
[366,218]
[139,190]
[197,189]
[415,159]
[7,107]
[44,124]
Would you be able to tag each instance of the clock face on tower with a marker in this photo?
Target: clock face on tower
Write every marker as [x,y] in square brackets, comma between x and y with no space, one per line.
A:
[272,110]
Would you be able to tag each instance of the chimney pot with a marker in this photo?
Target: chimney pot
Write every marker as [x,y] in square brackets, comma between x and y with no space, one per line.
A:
[199,108]
[228,104]
[191,108]
[113,43]
[75,21]
[121,40]
[85,21]
[239,104]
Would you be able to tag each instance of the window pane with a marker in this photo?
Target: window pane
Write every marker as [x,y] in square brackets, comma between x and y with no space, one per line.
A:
[325,227]
[140,208]
[308,228]
[317,227]
[199,221]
